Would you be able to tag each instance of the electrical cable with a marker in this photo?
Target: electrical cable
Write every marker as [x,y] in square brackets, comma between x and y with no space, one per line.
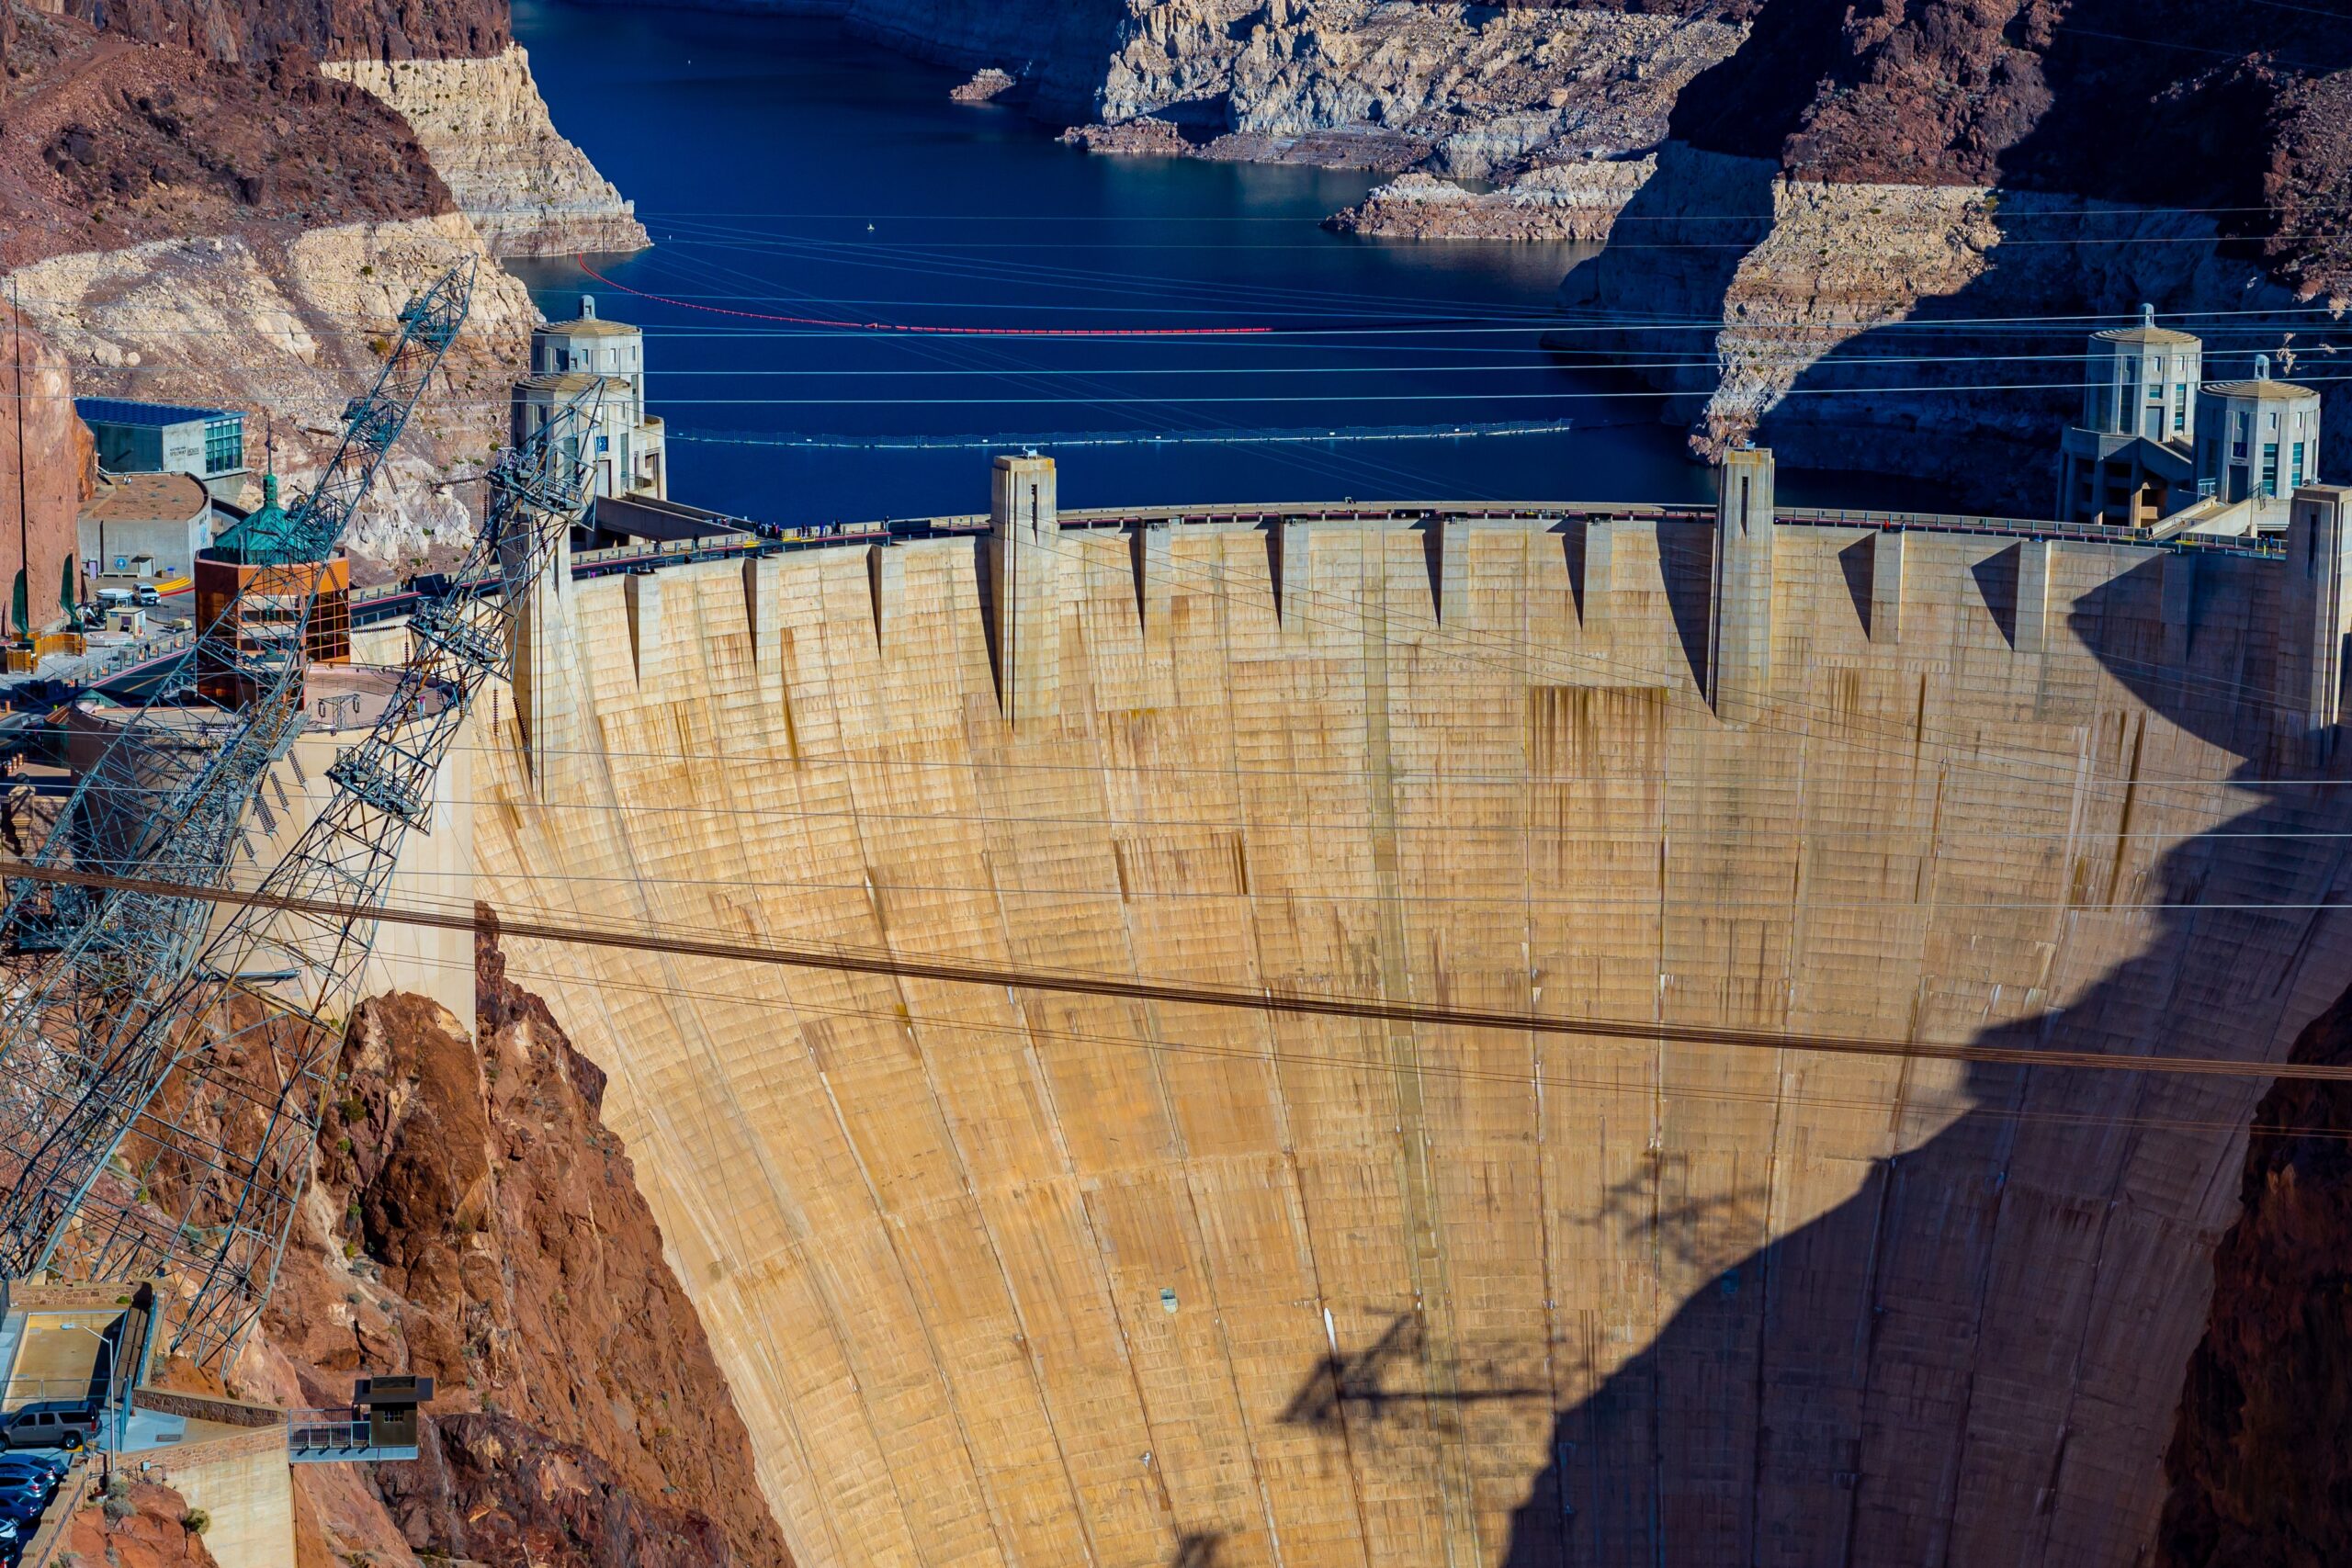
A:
[1263,999]
[1537,1072]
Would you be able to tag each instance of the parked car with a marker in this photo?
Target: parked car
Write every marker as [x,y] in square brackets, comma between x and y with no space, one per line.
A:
[52,1465]
[50,1424]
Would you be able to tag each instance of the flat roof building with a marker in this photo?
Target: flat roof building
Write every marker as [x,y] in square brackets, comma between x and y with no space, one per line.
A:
[168,438]
[160,519]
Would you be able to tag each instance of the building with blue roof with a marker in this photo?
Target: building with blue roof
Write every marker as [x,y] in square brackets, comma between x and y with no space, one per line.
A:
[169,438]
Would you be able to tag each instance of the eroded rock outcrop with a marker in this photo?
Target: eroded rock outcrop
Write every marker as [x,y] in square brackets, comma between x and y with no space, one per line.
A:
[291,321]
[196,209]
[986,85]
[197,230]
[1463,90]
[474,1219]
[528,191]
[110,144]
[1577,201]
[258,30]
[135,1524]
[2085,176]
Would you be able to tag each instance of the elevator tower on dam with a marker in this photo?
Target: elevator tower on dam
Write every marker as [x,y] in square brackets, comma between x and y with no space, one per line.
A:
[1016,1276]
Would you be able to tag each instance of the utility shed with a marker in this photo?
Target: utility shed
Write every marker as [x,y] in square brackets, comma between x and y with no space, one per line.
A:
[168,438]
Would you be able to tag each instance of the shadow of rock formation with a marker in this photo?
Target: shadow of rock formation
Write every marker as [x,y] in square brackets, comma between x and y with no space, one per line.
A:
[1974,1358]
[2218,138]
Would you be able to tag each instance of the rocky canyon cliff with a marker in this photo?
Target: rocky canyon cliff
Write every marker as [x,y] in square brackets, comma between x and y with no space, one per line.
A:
[226,206]
[1792,183]
[2259,1465]
[473,1219]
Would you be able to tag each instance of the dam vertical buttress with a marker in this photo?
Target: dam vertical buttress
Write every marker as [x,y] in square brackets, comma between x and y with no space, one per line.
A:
[2311,619]
[1739,646]
[1024,577]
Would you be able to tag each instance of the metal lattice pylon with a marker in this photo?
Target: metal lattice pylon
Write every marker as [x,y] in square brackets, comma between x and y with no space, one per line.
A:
[85,1033]
[232,1202]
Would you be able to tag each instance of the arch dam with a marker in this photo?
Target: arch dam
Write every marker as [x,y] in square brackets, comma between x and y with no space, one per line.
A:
[1018,1276]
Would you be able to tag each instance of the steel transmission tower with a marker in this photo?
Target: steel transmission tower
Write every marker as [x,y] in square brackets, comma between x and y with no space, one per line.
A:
[234,1198]
[101,995]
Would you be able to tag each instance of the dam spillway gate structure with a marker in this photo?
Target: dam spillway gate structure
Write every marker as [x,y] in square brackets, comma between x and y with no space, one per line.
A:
[1019,1275]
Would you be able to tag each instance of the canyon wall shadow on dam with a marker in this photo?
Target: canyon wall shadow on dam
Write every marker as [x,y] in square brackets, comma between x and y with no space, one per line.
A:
[1011,1278]
[1817,1409]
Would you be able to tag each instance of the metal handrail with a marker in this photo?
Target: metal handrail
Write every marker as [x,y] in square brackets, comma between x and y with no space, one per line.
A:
[58,1390]
[334,1427]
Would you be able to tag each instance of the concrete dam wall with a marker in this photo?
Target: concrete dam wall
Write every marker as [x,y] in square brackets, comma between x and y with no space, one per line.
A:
[1028,1277]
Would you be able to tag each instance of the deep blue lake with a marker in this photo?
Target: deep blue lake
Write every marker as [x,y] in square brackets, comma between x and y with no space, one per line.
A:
[787,171]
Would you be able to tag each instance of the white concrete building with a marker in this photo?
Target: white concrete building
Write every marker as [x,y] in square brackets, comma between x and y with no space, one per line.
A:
[2160,447]
[630,455]
[2128,462]
[2258,441]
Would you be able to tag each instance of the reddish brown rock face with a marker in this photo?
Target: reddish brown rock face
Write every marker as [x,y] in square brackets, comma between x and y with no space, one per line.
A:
[111,143]
[503,1492]
[2173,102]
[2309,182]
[48,466]
[498,1241]
[257,30]
[2261,1458]
[144,1527]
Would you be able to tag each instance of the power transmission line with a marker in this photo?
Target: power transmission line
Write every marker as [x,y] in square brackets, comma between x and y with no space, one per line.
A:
[1266,999]
[1546,1073]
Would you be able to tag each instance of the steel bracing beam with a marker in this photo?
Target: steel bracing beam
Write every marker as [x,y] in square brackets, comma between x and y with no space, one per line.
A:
[213,1211]
[101,983]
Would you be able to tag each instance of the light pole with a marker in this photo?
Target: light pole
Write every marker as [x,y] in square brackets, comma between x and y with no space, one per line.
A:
[114,1407]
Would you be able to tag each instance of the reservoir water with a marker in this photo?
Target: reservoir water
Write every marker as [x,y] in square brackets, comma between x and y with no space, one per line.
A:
[787,171]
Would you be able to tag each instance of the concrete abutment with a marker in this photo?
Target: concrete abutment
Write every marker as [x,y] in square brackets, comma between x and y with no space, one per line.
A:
[2313,618]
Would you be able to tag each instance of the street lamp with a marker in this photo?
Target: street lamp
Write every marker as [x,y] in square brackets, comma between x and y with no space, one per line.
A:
[115,1407]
